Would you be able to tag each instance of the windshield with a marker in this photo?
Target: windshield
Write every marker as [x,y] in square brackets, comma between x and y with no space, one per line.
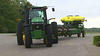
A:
[36,13]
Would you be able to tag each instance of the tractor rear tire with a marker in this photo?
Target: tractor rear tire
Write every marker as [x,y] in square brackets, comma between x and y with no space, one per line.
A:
[49,36]
[27,38]
[20,33]
[55,32]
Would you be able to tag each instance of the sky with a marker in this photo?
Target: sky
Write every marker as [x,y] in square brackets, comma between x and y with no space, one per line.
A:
[90,9]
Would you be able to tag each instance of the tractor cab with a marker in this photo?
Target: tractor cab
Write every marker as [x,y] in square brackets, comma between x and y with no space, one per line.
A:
[37,15]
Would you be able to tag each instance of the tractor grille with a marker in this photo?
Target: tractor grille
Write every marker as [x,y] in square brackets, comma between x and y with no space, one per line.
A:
[37,27]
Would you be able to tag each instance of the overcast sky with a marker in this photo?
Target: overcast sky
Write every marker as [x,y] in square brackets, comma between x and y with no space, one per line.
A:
[87,8]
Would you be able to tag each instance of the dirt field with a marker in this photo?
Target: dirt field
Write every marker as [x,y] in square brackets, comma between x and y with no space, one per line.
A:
[66,47]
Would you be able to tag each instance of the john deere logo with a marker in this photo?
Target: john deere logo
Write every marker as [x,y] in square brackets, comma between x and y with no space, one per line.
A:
[37,26]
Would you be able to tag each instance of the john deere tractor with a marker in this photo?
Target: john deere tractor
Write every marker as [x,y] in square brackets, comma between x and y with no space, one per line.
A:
[36,26]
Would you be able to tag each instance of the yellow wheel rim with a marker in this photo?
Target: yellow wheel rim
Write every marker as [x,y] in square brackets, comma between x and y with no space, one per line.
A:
[23,36]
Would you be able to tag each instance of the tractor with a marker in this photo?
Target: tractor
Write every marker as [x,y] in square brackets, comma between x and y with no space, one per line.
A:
[35,25]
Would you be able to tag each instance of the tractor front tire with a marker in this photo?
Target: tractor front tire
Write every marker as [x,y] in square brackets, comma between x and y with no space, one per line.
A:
[49,36]
[27,38]
[55,32]
[20,34]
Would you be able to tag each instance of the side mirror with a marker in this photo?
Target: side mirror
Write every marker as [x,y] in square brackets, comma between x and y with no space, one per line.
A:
[53,9]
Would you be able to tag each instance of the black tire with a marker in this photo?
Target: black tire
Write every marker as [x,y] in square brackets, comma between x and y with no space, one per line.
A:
[20,33]
[44,40]
[69,35]
[55,32]
[27,38]
[78,34]
[55,40]
[49,36]
[83,34]
[65,35]
[31,41]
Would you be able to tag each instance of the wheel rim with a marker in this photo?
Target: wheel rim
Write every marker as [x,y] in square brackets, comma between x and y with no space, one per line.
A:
[23,37]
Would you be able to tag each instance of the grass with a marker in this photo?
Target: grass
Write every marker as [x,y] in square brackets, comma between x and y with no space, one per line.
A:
[92,32]
[96,40]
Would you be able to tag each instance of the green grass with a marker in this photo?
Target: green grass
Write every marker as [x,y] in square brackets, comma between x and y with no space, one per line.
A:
[92,32]
[96,40]
[98,44]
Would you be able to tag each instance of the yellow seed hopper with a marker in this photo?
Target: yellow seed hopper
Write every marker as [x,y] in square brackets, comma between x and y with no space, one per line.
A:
[73,18]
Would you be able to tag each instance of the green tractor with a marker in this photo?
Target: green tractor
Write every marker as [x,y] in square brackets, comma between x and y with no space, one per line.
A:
[36,26]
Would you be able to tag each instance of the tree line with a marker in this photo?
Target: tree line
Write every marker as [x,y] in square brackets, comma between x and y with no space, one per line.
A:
[10,10]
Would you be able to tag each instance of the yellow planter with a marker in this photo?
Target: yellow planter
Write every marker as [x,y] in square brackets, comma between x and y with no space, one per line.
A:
[73,18]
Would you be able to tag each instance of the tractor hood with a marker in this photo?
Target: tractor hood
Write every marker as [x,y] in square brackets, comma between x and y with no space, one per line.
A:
[37,20]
